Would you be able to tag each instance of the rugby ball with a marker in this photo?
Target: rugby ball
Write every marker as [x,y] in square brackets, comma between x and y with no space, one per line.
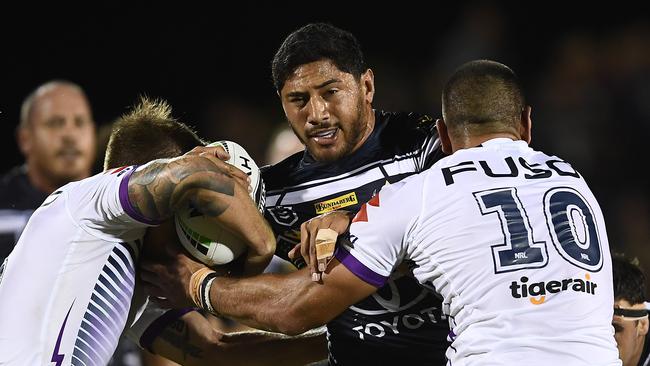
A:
[206,240]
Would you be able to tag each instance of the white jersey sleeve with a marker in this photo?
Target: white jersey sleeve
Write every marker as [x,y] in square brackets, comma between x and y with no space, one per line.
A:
[67,288]
[103,209]
[380,231]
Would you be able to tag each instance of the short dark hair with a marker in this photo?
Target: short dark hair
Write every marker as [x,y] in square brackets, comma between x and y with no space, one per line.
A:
[315,42]
[483,94]
[147,133]
[629,279]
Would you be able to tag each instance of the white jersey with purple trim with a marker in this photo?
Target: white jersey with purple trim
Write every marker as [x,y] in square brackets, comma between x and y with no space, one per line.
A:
[515,243]
[67,287]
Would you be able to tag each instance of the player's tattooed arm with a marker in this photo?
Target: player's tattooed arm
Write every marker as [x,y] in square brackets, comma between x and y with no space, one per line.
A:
[214,188]
[159,187]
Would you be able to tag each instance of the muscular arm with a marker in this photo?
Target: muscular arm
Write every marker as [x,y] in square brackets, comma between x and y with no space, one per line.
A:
[192,340]
[159,188]
[286,303]
[289,303]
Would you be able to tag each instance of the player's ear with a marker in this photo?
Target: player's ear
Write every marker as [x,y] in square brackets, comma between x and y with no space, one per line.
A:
[526,124]
[368,85]
[443,134]
[642,327]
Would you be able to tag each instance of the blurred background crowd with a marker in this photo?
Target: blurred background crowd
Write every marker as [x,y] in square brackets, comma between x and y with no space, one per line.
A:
[586,73]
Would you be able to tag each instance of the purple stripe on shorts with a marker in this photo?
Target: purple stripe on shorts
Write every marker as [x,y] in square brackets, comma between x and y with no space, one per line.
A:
[126,204]
[157,326]
[358,268]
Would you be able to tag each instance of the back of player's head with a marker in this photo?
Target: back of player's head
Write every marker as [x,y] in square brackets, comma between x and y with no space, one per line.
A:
[629,279]
[482,96]
[315,42]
[147,133]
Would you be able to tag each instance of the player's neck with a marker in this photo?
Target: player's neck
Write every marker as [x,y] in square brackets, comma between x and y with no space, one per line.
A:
[469,141]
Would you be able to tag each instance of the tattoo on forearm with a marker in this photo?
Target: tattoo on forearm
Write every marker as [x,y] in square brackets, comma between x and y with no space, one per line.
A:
[160,186]
[177,334]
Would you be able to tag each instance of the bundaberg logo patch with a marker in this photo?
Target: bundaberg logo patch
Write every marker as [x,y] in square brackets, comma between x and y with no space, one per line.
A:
[336,203]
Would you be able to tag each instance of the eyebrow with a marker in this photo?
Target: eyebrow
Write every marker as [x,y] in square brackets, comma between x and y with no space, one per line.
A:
[319,86]
[328,82]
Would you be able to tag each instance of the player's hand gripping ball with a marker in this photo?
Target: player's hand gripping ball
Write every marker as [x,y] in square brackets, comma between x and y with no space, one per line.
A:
[206,240]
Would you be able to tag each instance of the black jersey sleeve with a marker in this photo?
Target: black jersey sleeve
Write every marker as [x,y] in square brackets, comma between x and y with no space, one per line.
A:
[430,151]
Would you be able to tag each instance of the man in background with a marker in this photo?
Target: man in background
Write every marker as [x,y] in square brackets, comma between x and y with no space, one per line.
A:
[86,237]
[56,135]
[630,311]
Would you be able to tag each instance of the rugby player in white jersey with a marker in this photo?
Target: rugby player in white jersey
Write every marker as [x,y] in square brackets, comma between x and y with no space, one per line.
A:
[511,238]
[68,289]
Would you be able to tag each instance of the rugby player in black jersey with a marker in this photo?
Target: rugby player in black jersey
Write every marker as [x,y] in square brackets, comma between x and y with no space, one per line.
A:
[352,150]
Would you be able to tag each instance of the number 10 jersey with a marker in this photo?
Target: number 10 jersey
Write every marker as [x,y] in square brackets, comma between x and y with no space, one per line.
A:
[514,241]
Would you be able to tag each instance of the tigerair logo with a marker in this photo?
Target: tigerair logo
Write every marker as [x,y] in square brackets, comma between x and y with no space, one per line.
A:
[536,292]
[336,203]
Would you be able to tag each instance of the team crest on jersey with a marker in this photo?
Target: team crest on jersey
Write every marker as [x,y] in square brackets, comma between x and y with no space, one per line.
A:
[336,203]
[283,215]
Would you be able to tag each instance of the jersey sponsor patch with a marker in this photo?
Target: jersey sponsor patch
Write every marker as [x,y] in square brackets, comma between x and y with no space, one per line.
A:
[396,310]
[333,204]
[537,291]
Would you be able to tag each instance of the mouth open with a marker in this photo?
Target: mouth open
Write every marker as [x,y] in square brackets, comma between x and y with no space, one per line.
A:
[325,137]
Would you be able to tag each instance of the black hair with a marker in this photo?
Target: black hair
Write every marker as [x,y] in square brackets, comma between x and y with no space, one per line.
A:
[315,42]
[629,279]
[483,92]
